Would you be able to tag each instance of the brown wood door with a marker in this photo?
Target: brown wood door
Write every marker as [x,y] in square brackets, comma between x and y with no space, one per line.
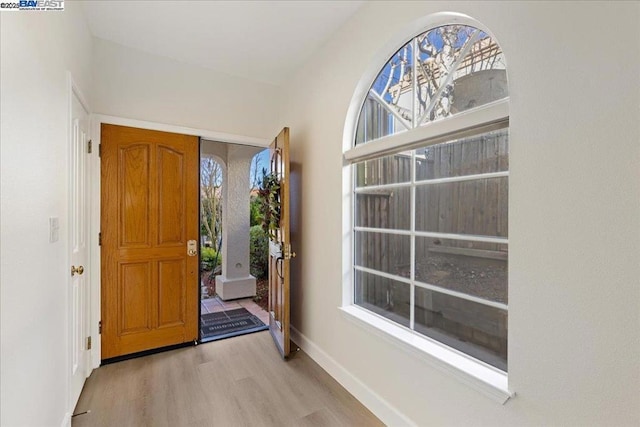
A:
[280,253]
[149,212]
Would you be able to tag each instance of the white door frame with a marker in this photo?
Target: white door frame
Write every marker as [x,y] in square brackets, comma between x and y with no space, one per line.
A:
[94,227]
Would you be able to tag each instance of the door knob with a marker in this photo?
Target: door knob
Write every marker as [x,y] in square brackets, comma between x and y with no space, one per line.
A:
[77,270]
[288,253]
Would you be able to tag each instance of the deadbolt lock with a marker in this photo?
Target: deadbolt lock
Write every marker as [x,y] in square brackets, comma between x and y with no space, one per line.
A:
[192,248]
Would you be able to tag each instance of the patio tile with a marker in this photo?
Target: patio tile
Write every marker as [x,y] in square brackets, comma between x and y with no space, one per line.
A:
[204,309]
[216,305]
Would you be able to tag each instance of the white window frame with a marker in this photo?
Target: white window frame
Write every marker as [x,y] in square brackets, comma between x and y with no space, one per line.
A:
[485,378]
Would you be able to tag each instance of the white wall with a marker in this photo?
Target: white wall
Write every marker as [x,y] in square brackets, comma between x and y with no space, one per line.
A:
[37,50]
[574,206]
[137,85]
[574,232]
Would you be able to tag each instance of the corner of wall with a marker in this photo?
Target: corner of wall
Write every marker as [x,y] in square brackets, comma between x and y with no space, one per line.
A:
[382,409]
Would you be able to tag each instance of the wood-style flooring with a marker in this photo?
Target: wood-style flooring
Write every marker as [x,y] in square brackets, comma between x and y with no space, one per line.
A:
[240,381]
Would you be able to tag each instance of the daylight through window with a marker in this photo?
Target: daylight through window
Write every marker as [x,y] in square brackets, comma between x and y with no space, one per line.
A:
[430,214]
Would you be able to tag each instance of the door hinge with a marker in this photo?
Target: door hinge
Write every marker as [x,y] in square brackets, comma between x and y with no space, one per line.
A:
[100,327]
[89,144]
[99,150]
[99,239]
[88,343]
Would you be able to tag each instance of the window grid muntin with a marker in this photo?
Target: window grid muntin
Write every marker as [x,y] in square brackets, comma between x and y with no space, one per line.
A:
[413,233]
[412,239]
[450,236]
[413,182]
[466,47]
[433,288]
[459,69]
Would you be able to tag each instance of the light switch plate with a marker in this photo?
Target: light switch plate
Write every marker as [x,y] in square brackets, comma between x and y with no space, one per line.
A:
[54,228]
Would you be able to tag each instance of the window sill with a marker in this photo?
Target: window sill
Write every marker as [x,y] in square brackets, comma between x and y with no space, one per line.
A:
[489,381]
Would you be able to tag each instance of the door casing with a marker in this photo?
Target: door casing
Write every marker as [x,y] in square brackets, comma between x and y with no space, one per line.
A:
[96,122]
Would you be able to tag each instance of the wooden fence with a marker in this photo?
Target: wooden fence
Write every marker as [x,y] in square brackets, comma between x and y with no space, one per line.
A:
[475,207]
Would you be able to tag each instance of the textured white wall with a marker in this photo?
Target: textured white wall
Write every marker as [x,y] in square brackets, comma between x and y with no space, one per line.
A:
[235,216]
[133,84]
[37,50]
[574,231]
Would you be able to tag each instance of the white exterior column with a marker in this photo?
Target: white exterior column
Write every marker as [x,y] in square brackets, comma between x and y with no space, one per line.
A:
[236,280]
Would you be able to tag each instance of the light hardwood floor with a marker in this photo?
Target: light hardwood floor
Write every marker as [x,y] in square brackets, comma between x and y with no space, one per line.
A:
[239,381]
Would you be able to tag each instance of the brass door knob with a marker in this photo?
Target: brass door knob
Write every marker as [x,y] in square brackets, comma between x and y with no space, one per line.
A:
[77,270]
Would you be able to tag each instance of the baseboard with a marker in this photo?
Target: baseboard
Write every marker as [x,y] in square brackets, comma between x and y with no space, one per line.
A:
[66,421]
[382,409]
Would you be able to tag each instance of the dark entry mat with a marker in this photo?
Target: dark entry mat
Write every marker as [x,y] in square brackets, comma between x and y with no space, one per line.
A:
[226,324]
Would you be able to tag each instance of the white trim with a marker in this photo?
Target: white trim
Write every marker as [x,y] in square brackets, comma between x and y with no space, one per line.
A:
[348,223]
[66,420]
[412,227]
[76,89]
[491,116]
[94,229]
[478,375]
[382,409]
[202,133]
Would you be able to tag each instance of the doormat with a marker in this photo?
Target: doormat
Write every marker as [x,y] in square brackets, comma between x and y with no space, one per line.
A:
[226,324]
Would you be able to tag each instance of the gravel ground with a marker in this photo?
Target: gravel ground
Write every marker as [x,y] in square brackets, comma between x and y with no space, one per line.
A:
[481,277]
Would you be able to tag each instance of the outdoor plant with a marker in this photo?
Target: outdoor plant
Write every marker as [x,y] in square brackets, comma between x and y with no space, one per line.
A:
[258,252]
[209,258]
[269,193]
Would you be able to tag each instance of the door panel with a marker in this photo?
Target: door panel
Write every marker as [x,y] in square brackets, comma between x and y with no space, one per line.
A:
[171,301]
[78,249]
[134,195]
[149,182]
[171,197]
[280,249]
[135,288]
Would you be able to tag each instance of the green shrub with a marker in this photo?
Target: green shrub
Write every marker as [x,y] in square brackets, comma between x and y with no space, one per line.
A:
[255,217]
[208,258]
[258,252]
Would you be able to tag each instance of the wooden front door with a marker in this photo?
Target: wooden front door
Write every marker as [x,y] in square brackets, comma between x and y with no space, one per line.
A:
[149,230]
[280,253]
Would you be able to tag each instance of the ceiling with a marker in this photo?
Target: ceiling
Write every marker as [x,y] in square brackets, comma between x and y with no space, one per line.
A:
[258,40]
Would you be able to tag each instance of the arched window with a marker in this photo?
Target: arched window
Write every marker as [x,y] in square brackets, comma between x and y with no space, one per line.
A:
[429,172]
[437,74]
